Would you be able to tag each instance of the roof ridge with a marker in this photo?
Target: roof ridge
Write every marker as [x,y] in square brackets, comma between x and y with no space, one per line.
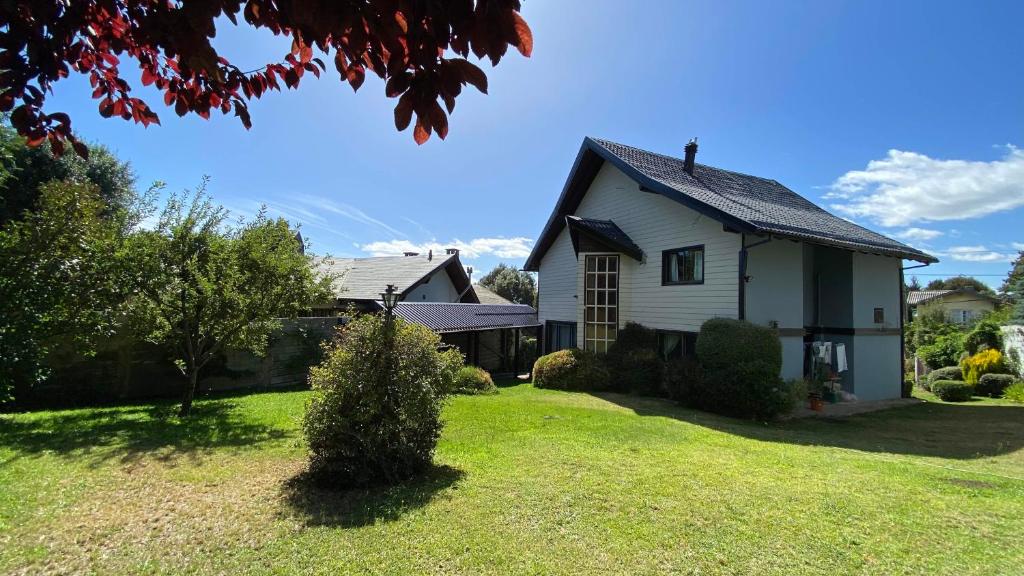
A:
[736,172]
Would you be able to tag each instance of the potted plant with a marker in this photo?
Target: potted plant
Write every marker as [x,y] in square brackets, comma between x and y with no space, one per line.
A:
[814,400]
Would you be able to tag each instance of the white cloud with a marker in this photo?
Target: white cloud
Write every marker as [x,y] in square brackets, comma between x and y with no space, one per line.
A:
[319,204]
[907,187]
[518,247]
[978,254]
[1017,245]
[917,234]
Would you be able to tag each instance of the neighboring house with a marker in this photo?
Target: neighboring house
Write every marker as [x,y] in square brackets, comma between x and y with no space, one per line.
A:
[488,296]
[668,243]
[961,306]
[436,291]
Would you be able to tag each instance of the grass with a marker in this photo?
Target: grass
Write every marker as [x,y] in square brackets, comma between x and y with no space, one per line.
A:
[527,481]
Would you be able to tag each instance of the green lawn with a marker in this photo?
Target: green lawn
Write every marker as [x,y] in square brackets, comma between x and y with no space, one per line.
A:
[527,481]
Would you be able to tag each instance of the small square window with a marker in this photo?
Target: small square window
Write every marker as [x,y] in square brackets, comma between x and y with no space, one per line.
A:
[879,315]
[682,266]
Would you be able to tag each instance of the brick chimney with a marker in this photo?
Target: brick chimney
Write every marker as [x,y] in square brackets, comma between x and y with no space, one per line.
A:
[410,253]
[691,154]
[451,251]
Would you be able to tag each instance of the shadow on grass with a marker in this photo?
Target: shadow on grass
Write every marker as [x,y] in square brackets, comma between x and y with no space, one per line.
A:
[955,431]
[129,432]
[318,506]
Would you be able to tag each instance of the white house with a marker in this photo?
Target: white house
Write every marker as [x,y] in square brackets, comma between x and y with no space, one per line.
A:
[668,243]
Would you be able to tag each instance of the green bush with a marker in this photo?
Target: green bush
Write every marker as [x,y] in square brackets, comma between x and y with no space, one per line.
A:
[570,369]
[947,373]
[993,385]
[986,335]
[723,343]
[908,388]
[680,376]
[474,380]
[1014,392]
[945,351]
[633,362]
[741,364]
[374,416]
[952,390]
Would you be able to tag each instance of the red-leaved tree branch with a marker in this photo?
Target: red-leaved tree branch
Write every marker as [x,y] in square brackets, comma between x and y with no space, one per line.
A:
[418,46]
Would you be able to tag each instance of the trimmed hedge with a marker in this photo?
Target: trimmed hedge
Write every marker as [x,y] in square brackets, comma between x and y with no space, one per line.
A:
[723,343]
[993,385]
[633,363]
[952,390]
[570,369]
[741,364]
[947,373]
[680,377]
[474,380]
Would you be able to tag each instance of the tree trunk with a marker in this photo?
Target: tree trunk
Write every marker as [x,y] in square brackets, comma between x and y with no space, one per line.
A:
[190,392]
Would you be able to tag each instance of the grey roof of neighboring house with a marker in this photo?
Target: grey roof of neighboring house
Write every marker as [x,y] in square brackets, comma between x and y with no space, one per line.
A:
[923,296]
[606,232]
[443,317]
[919,296]
[366,278]
[488,296]
[742,202]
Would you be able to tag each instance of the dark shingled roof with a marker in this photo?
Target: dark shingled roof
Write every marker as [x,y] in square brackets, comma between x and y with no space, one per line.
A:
[488,296]
[745,203]
[604,231]
[444,317]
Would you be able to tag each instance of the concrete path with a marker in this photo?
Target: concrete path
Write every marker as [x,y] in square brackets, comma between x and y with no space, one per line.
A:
[844,409]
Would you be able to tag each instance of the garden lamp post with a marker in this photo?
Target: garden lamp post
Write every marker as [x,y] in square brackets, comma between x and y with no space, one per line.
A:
[390,299]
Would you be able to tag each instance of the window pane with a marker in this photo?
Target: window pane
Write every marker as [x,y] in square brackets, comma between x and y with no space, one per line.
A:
[591,264]
[590,280]
[590,297]
[602,280]
[600,297]
[611,333]
[673,268]
[601,264]
[698,265]
[590,314]
[612,315]
[613,263]
[612,298]
[600,315]
[613,281]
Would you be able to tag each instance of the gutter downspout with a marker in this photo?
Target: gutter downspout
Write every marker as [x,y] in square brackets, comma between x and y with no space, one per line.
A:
[742,286]
[903,338]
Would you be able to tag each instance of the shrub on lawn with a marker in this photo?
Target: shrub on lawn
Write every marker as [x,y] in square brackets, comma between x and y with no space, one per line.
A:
[947,373]
[993,385]
[723,343]
[570,369]
[474,380]
[633,363]
[374,416]
[986,335]
[984,362]
[945,351]
[908,388]
[952,390]
[1014,392]
[741,364]
[680,376]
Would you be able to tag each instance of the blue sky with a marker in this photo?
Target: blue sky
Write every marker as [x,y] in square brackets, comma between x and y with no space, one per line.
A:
[904,116]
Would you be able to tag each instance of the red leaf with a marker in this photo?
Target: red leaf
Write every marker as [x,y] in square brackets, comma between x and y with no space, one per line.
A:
[524,34]
[80,149]
[438,120]
[403,111]
[148,77]
[356,75]
[471,73]
[422,132]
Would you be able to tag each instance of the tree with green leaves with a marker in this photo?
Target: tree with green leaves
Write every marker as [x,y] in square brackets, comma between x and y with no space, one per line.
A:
[60,281]
[958,282]
[208,285]
[514,285]
[1011,286]
[24,169]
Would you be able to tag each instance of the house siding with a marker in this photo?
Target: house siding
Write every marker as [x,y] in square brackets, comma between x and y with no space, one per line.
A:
[655,224]
[775,293]
[438,289]
[556,282]
[876,357]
